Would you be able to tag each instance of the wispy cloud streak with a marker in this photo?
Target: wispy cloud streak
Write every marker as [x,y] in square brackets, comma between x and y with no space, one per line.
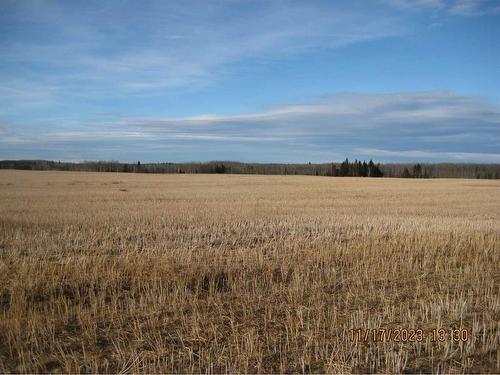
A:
[418,126]
[102,52]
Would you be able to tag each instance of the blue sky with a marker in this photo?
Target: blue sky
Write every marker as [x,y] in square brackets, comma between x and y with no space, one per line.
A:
[262,81]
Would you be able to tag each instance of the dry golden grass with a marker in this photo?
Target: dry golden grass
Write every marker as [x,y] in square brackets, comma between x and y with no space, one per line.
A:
[222,273]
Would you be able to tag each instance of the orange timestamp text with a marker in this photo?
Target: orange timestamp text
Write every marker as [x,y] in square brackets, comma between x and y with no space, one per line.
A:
[408,334]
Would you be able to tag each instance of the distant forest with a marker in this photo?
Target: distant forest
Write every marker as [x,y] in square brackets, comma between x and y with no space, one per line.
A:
[354,168]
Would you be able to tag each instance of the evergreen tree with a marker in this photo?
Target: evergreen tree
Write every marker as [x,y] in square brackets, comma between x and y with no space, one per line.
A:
[220,168]
[365,169]
[378,171]
[417,171]
[344,168]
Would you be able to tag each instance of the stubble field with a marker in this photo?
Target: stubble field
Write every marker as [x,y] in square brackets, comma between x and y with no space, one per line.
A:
[225,273]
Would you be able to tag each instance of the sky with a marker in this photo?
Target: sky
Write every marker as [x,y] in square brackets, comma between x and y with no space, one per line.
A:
[251,81]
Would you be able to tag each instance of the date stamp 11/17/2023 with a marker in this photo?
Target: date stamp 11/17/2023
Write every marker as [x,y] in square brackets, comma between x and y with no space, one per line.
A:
[408,335]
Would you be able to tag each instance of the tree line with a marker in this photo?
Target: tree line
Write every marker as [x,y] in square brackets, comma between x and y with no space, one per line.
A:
[356,168]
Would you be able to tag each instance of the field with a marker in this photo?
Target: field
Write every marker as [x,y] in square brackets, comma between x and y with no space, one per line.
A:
[236,273]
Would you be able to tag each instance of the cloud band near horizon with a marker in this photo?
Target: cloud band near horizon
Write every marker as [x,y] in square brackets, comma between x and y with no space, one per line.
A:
[386,127]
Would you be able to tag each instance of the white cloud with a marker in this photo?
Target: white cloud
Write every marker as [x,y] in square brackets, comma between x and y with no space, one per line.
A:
[453,7]
[407,4]
[475,7]
[19,94]
[424,125]
[430,155]
[105,51]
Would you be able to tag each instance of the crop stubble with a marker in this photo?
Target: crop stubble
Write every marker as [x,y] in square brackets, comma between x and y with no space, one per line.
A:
[227,273]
